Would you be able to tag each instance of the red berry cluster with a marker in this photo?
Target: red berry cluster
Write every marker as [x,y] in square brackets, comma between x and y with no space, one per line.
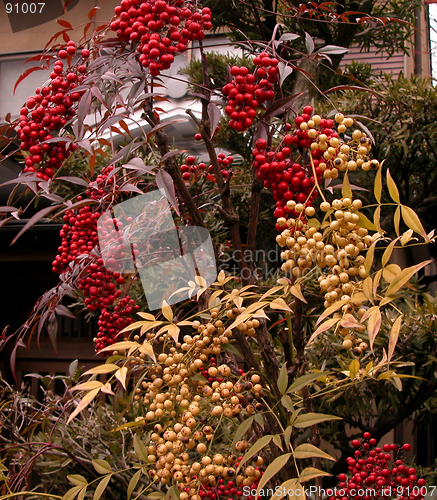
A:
[190,168]
[248,91]
[47,112]
[379,473]
[227,489]
[79,236]
[162,28]
[112,322]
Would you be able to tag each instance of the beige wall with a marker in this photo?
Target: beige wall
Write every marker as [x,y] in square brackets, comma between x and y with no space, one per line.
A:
[34,39]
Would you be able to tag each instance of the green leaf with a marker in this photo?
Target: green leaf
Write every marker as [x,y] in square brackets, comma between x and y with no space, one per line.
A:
[242,429]
[308,419]
[257,446]
[140,449]
[101,487]
[133,483]
[283,379]
[101,466]
[271,470]
[307,450]
[304,380]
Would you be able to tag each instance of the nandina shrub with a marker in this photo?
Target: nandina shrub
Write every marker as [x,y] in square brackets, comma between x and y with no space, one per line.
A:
[214,393]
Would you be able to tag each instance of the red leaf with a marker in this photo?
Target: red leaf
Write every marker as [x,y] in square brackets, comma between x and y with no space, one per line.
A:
[166,186]
[64,23]
[281,105]
[92,13]
[34,219]
[25,74]
[169,154]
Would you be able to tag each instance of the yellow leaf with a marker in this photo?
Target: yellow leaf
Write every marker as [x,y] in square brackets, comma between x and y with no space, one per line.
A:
[214,295]
[413,222]
[404,277]
[121,346]
[107,389]
[133,326]
[173,331]
[374,325]
[148,326]
[277,464]
[167,311]
[394,335]
[221,276]
[354,368]
[287,486]
[365,222]
[386,300]
[377,218]
[83,403]
[406,237]
[397,220]
[147,349]
[376,281]
[392,188]
[349,321]
[307,450]
[272,290]
[368,262]
[310,473]
[120,375]
[87,386]
[368,288]
[390,272]
[279,304]
[331,309]
[255,307]
[387,252]
[346,190]
[97,370]
[378,185]
[323,327]
[297,292]
[147,316]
